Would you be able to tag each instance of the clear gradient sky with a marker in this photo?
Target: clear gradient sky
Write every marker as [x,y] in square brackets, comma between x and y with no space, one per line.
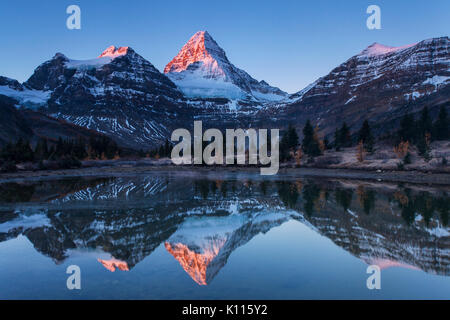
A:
[287,43]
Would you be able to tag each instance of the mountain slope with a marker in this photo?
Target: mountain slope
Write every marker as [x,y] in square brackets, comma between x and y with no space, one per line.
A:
[25,96]
[12,122]
[125,97]
[202,69]
[379,84]
[31,125]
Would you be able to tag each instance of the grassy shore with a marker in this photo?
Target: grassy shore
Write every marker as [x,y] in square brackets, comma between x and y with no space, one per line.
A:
[111,168]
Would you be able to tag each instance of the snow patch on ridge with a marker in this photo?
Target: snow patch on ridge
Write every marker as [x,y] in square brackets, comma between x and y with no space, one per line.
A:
[194,86]
[269,96]
[87,64]
[26,222]
[437,80]
[106,57]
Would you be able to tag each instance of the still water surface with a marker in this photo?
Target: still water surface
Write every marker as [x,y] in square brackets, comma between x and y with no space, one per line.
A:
[188,235]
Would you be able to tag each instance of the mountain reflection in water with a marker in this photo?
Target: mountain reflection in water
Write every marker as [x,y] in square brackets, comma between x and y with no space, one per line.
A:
[201,220]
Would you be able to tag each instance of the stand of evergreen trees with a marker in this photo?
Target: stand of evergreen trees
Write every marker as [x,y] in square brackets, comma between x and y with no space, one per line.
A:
[419,132]
[342,137]
[415,130]
[163,151]
[288,144]
[311,145]
[423,131]
[70,151]
[67,153]
[365,136]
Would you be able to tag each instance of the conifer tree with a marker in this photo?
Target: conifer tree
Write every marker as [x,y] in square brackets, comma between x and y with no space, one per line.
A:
[344,136]
[167,149]
[442,125]
[365,135]
[425,123]
[407,130]
[310,143]
[288,143]
[41,150]
[292,138]
[337,140]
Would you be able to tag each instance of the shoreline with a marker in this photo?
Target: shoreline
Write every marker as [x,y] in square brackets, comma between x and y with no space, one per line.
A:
[124,169]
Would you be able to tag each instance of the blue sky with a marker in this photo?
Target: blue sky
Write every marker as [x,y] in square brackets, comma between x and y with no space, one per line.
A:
[287,43]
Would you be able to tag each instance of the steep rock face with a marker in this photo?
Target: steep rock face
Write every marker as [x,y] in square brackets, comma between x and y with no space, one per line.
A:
[379,84]
[202,69]
[119,94]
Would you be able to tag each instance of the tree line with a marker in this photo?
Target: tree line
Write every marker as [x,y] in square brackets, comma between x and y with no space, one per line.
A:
[422,131]
[164,150]
[312,145]
[68,152]
[419,132]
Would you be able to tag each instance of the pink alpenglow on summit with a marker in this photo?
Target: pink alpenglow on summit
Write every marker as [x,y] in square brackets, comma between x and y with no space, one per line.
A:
[200,48]
[377,49]
[201,69]
[387,263]
[114,52]
[106,57]
[112,264]
[194,263]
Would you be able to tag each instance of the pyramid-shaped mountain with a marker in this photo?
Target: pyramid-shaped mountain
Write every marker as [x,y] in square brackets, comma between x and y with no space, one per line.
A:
[202,69]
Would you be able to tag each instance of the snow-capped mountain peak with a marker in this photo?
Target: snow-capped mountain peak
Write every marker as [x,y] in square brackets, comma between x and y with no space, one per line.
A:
[114,52]
[202,69]
[380,83]
[119,93]
[201,48]
[377,49]
[106,57]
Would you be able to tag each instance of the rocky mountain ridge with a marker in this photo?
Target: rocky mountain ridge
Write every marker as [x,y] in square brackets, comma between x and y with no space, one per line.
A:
[124,96]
